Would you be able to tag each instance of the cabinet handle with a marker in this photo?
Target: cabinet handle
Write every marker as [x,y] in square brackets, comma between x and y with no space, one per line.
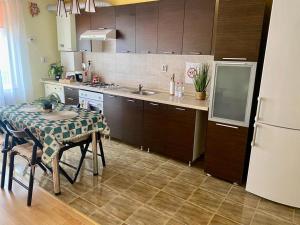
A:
[125,51]
[62,45]
[228,126]
[259,100]
[154,104]
[195,53]
[71,99]
[254,135]
[130,100]
[168,52]
[70,89]
[180,109]
[240,59]
[111,96]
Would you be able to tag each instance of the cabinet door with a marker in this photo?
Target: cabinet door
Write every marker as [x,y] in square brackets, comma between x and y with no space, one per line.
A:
[170,26]
[66,33]
[113,111]
[132,121]
[103,18]
[125,25]
[83,23]
[225,151]
[198,27]
[71,96]
[154,132]
[146,27]
[238,31]
[180,132]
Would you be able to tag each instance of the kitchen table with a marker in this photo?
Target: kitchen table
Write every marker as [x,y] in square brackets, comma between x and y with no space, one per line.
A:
[63,124]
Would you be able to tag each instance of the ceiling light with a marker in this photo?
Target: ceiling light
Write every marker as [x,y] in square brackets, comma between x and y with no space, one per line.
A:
[90,6]
[74,8]
[61,8]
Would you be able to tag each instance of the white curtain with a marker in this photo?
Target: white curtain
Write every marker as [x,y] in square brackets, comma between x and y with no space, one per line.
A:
[14,65]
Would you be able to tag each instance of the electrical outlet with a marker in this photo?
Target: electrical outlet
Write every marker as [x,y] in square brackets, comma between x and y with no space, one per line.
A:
[164,68]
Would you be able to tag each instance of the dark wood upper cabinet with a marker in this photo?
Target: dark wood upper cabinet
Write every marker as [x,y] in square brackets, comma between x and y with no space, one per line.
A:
[125,25]
[103,18]
[146,27]
[113,111]
[239,29]
[225,151]
[132,124]
[83,23]
[170,26]
[198,27]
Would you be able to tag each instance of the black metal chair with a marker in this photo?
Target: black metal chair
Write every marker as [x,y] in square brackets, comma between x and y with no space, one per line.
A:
[6,146]
[26,145]
[84,144]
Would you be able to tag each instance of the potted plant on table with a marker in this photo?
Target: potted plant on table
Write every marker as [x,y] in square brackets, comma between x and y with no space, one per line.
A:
[201,81]
[56,70]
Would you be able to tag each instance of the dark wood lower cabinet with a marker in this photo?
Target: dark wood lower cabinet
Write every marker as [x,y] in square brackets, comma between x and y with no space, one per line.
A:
[225,151]
[132,123]
[154,129]
[71,96]
[164,129]
[113,111]
[179,135]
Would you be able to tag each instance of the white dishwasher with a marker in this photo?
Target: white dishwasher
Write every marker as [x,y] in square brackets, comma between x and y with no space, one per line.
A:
[91,100]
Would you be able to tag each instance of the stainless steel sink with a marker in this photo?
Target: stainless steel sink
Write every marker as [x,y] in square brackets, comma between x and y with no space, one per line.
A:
[144,92]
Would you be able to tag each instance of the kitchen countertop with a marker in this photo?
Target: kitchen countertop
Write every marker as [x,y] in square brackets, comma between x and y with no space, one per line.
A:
[187,101]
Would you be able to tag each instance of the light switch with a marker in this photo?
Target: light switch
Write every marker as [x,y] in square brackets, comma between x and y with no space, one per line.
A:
[164,68]
[43,59]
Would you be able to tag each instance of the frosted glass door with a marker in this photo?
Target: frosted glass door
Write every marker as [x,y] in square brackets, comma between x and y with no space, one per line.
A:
[232,93]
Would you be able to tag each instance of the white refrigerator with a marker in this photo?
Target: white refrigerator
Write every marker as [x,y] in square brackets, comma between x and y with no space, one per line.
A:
[274,170]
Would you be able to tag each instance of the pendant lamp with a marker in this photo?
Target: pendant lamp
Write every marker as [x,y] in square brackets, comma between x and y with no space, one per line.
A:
[74,8]
[61,8]
[90,6]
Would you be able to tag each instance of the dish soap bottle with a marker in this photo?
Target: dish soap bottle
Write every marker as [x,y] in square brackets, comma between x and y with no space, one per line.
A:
[172,85]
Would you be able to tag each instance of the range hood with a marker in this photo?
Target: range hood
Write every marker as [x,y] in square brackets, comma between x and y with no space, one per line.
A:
[100,34]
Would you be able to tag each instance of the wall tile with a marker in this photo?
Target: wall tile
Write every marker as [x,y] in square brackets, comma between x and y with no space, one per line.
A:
[133,69]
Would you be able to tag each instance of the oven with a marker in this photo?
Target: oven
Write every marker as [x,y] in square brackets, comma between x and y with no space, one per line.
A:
[91,100]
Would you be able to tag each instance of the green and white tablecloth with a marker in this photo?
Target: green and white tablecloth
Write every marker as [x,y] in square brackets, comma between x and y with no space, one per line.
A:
[53,134]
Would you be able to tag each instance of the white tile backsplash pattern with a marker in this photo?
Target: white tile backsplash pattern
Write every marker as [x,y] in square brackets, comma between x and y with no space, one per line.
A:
[146,69]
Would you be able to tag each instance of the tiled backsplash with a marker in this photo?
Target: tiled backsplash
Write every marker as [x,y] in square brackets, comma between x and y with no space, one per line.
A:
[146,69]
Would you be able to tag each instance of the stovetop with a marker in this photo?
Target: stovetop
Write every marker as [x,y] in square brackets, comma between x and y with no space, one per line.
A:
[101,85]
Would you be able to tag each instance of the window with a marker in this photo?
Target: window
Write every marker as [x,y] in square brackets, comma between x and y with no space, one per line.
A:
[5,77]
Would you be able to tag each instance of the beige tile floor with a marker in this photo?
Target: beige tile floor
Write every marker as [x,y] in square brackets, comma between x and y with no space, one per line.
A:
[140,188]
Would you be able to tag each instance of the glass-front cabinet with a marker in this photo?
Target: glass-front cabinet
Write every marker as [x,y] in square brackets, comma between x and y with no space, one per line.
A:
[232,91]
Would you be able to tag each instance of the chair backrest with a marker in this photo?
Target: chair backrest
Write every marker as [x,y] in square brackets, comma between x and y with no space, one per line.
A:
[20,136]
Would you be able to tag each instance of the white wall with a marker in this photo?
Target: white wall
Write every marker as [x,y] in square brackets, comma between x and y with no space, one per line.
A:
[43,29]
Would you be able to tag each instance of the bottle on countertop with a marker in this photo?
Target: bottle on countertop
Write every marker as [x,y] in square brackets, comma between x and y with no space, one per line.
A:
[179,89]
[172,85]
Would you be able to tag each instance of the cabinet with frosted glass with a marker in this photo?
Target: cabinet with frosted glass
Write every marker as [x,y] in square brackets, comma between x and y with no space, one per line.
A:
[227,132]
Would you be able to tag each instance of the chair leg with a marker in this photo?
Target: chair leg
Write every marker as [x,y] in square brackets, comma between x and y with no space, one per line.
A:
[30,187]
[11,170]
[102,152]
[83,153]
[4,161]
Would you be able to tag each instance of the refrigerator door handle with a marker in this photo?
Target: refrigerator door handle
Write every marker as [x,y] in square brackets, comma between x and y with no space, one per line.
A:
[254,135]
[259,101]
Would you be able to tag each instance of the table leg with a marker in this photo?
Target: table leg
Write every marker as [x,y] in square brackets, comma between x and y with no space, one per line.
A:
[95,156]
[55,174]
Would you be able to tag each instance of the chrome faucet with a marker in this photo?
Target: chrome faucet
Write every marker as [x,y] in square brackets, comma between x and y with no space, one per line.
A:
[140,87]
